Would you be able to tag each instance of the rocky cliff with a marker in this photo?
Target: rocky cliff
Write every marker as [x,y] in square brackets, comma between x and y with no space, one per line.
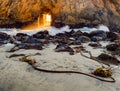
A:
[68,11]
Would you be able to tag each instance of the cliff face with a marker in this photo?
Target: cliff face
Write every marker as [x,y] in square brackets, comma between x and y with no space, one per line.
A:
[68,11]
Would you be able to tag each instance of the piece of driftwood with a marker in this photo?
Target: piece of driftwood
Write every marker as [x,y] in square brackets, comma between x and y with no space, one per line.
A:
[18,55]
[95,59]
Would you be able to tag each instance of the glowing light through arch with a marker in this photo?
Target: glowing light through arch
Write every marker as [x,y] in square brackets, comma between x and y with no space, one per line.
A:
[47,19]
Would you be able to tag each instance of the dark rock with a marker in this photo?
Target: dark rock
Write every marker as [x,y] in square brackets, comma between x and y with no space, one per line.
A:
[77,34]
[26,46]
[41,35]
[4,36]
[95,44]
[112,36]
[86,34]
[112,47]
[60,35]
[96,39]
[21,37]
[108,59]
[83,39]
[80,39]
[71,53]
[63,48]
[100,34]
[21,34]
[31,40]
[69,34]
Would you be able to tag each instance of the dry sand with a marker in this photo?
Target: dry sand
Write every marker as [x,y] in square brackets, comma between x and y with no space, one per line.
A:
[20,76]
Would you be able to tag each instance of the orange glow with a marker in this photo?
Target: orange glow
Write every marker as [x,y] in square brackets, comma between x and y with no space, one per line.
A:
[43,21]
[47,19]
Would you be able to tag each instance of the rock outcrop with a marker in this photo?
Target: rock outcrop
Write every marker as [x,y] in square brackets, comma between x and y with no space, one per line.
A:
[68,11]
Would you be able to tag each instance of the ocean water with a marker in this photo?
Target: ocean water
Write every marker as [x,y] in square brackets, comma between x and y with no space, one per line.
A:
[52,30]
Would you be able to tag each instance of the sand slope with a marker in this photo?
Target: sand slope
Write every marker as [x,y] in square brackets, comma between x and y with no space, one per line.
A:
[20,76]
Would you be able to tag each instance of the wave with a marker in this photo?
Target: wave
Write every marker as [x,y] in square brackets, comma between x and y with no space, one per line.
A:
[52,30]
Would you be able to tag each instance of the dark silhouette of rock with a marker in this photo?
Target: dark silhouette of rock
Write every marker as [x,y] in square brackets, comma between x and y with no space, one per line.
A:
[113,47]
[97,35]
[21,37]
[113,36]
[94,44]
[108,59]
[63,48]
[41,35]
[26,46]
[3,36]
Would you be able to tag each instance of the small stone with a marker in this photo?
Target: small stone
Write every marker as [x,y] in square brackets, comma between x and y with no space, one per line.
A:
[71,53]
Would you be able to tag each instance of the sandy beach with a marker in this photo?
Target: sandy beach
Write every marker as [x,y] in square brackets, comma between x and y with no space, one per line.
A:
[20,76]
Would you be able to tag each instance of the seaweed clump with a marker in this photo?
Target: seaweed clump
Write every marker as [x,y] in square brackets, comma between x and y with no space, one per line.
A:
[28,60]
[102,72]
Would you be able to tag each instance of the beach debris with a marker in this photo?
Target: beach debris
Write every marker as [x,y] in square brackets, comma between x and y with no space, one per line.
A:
[98,72]
[102,72]
[79,48]
[108,59]
[63,48]
[94,58]
[28,60]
